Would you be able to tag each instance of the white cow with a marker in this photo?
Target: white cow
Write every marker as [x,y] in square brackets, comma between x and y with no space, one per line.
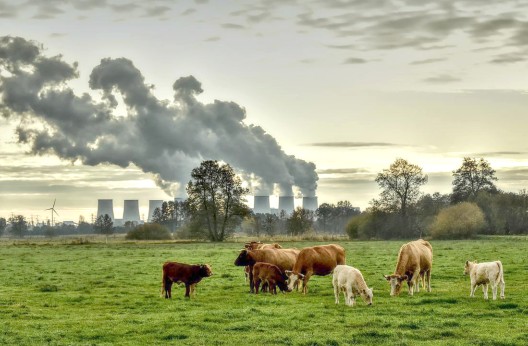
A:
[484,274]
[350,281]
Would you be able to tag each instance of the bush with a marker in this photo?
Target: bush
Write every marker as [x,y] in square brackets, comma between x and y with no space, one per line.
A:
[459,221]
[149,231]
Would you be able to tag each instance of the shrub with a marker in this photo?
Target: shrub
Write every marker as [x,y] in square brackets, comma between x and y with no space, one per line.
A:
[149,231]
[459,221]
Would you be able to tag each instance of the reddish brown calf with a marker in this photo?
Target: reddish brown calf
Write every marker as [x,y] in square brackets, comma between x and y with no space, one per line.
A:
[270,274]
[187,274]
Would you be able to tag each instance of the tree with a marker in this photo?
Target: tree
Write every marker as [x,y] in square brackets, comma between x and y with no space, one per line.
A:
[19,225]
[104,225]
[172,214]
[300,221]
[324,215]
[401,186]
[151,231]
[462,220]
[471,178]
[216,199]
[3,225]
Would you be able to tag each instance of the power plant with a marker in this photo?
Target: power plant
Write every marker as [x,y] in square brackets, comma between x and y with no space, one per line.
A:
[105,206]
[261,205]
[131,210]
[153,204]
[286,204]
[309,203]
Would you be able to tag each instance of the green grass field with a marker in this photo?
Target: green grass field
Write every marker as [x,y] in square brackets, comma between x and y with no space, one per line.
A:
[109,294]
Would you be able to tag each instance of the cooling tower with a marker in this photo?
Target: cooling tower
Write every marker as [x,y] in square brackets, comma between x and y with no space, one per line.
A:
[286,204]
[131,210]
[310,203]
[105,206]
[261,205]
[153,204]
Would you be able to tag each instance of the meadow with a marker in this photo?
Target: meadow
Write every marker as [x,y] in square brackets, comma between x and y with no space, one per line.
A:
[57,293]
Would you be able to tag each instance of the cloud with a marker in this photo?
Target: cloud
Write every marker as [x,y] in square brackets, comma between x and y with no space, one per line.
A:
[165,139]
[513,174]
[498,153]
[509,58]
[443,78]
[343,171]
[233,26]
[355,61]
[351,144]
[427,61]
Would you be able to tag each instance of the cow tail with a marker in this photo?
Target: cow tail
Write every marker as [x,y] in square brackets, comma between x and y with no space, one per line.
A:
[163,277]
[501,272]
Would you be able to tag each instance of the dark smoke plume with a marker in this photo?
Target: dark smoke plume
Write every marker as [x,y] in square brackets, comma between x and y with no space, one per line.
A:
[162,138]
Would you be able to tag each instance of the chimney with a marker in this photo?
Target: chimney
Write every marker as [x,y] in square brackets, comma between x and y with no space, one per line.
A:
[105,206]
[131,210]
[286,204]
[153,204]
[310,203]
[261,205]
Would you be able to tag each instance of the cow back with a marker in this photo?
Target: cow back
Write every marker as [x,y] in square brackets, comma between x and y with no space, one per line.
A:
[413,255]
[282,258]
[320,260]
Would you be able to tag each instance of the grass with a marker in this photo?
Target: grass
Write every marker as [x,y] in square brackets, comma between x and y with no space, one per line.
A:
[106,294]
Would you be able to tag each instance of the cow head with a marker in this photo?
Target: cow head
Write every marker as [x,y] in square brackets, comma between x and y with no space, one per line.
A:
[205,270]
[367,295]
[294,280]
[468,266]
[244,258]
[395,281]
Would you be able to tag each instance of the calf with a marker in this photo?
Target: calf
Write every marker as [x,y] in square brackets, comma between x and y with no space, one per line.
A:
[484,274]
[350,281]
[188,274]
[257,245]
[270,274]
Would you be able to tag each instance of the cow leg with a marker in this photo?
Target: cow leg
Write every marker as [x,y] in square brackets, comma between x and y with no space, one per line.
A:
[187,289]
[336,292]
[349,296]
[428,280]
[193,290]
[305,282]
[502,285]
[168,287]
[494,290]
[251,284]
[473,289]
[485,290]
[256,285]
[413,282]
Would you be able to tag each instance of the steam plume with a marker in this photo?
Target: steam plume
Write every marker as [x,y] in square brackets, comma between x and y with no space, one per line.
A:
[162,138]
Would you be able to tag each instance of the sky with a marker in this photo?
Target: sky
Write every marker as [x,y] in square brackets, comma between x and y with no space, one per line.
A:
[121,99]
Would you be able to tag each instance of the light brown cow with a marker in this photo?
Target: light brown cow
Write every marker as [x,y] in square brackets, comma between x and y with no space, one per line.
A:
[415,262]
[282,258]
[271,275]
[315,260]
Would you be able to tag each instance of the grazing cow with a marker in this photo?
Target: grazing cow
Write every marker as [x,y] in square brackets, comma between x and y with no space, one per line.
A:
[270,274]
[187,274]
[350,281]
[257,245]
[415,261]
[315,260]
[484,274]
[282,258]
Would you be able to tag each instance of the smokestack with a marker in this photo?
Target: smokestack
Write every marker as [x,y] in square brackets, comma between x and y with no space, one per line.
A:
[286,204]
[131,210]
[310,203]
[261,205]
[153,204]
[105,206]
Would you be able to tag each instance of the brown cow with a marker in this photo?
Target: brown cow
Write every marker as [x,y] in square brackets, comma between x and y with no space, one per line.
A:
[257,245]
[415,261]
[282,258]
[270,274]
[315,260]
[188,274]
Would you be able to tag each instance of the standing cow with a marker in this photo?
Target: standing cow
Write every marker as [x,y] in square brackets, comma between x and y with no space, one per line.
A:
[415,261]
[188,274]
[271,275]
[315,260]
[257,245]
[484,274]
[282,258]
[350,281]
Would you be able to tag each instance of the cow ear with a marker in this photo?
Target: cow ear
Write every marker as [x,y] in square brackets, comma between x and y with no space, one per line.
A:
[387,277]
[467,262]
[287,272]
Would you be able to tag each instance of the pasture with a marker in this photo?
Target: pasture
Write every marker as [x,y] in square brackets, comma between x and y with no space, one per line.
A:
[109,294]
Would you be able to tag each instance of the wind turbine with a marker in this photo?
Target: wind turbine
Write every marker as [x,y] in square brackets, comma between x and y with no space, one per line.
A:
[53,211]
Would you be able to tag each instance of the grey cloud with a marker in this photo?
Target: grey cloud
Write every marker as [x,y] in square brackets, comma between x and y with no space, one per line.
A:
[498,153]
[156,11]
[233,26]
[212,39]
[513,174]
[443,78]
[509,58]
[343,171]
[427,61]
[188,11]
[161,138]
[355,61]
[352,144]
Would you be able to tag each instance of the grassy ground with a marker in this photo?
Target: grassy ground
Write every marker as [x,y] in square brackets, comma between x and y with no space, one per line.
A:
[108,294]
